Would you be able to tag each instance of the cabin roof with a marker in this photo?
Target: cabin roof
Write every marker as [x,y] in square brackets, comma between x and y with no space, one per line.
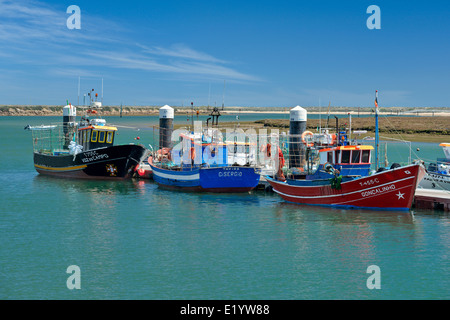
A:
[101,128]
[195,140]
[240,143]
[357,147]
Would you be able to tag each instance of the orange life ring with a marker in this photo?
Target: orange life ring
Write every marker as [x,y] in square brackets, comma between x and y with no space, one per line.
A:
[192,153]
[309,133]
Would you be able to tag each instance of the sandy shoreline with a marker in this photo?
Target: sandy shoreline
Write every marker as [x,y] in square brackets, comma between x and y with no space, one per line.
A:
[152,110]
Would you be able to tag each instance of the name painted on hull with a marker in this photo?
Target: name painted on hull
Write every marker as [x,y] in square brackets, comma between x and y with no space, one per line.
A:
[93,156]
[230,172]
[378,190]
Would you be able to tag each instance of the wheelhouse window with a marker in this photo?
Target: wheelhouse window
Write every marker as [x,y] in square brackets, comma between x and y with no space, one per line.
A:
[365,158]
[345,156]
[94,136]
[109,137]
[355,156]
[330,157]
[337,154]
[101,136]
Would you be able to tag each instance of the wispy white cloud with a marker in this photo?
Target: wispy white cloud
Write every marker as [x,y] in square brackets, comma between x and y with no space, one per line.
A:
[29,10]
[179,51]
[125,60]
[75,72]
[36,33]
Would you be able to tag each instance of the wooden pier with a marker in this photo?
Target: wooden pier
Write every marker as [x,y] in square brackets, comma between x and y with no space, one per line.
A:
[432,199]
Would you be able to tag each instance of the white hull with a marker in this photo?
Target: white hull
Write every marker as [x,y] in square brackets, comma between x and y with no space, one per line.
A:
[435,181]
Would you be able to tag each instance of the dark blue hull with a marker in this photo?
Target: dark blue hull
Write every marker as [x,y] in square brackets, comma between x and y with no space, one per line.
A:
[215,179]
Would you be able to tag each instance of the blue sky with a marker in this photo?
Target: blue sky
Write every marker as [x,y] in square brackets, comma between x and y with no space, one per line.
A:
[267,53]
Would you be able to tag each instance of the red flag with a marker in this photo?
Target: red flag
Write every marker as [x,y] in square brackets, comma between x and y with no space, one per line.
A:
[376,98]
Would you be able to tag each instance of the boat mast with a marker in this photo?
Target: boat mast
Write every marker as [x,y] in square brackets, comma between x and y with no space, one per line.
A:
[376,130]
[320,118]
[78,103]
[328,117]
[223,95]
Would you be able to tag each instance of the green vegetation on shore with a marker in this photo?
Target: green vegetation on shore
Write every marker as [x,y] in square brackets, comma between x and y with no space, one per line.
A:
[423,129]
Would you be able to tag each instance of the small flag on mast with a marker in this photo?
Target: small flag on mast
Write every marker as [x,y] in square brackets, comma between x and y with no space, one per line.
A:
[376,99]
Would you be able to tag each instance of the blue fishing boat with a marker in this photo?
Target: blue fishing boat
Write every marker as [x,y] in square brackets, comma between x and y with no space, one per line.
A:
[201,164]
[210,179]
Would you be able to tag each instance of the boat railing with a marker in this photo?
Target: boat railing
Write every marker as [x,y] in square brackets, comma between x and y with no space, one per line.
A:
[50,139]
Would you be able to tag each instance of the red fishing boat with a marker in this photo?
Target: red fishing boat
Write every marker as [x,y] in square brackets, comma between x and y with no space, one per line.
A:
[346,182]
[341,176]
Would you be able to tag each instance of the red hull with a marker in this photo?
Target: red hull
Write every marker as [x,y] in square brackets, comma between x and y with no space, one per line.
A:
[390,190]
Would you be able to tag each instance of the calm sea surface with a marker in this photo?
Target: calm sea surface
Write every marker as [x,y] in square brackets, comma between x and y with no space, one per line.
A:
[133,240]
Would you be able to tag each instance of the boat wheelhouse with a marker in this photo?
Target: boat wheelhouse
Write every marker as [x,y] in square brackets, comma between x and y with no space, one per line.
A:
[96,134]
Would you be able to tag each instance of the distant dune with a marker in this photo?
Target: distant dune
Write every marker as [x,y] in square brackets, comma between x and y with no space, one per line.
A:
[44,110]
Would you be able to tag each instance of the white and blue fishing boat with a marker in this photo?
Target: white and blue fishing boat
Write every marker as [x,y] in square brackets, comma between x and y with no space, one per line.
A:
[438,172]
[201,164]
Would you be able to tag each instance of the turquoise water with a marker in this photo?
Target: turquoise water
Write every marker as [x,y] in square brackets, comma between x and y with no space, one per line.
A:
[133,240]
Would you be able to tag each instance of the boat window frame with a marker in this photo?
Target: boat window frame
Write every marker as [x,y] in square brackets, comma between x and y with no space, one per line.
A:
[330,157]
[99,136]
[352,159]
[345,152]
[109,136]
[94,134]
[368,157]
[337,156]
